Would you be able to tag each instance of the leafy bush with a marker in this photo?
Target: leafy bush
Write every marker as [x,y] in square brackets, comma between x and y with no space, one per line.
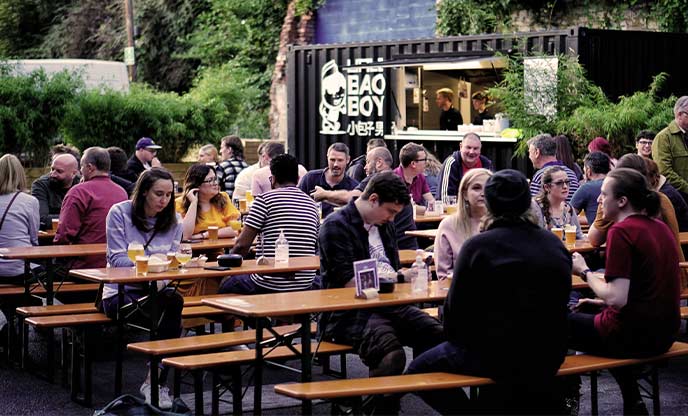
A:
[31,110]
[113,118]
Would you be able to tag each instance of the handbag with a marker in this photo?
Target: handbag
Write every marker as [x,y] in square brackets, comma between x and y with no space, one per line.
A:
[129,405]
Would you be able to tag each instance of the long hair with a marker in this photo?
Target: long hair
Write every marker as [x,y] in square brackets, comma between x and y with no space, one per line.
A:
[194,179]
[432,166]
[541,198]
[462,218]
[212,150]
[565,152]
[165,218]
[634,186]
[12,176]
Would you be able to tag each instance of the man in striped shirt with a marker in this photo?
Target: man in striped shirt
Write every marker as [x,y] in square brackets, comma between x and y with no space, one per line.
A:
[285,208]
[542,150]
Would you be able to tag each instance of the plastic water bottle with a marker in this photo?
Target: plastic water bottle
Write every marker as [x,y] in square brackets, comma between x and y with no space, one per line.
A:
[281,250]
[419,277]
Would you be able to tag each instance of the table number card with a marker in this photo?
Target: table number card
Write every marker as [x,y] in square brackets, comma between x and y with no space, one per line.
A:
[365,276]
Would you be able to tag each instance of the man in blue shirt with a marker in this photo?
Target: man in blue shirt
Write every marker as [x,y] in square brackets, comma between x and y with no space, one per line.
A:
[596,167]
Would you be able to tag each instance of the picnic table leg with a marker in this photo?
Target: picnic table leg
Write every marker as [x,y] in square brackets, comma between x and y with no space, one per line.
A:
[593,394]
[119,340]
[154,379]
[654,376]
[306,405]
[49,278]
[258,368]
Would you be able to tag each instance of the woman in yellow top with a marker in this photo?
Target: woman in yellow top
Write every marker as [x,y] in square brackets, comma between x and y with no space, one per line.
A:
[202,205]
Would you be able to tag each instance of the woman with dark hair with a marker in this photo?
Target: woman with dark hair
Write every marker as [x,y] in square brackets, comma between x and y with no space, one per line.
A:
[565,154]
[118,169]
[600,144]
[148,218]
[203,205]
[232,152]
[659,183]
[636,312]
[553,210]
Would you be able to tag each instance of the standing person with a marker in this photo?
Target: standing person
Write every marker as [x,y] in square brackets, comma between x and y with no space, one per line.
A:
[450,119]
[356,167]
[553,210]
[643,143]
[363,230]
[596,166]
[149,219]
[283,209]
[532,268]
[565,154]
[458,163]
[637,305]
[413,158]
[50,189]
[479,102]
[86,205]
[242,183]
[208,154]
[19,222]
[331,178]
[232,152]
[668,148]
[144,158]
[542,150]
[454,230]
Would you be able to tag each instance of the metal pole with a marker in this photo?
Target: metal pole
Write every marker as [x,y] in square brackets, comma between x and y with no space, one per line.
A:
[129,51]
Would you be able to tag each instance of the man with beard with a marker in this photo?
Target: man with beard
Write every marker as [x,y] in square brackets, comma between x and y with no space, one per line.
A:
[51,188]
[331,178]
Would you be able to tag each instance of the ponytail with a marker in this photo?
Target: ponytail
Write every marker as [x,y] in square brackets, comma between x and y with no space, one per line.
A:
[634,186]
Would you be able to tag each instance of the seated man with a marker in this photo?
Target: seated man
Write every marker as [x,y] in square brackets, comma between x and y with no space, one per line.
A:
[357,166]
[86,205]
[144,158]
[458,163]
[596,167]
[362,230]
[50,189]
[260,182]
[519,337]
[333,177]
[412,161]
[284,209]
[542,152]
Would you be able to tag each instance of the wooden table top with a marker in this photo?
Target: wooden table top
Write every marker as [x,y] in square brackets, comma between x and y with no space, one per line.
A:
[310,301]
[128,274]
[76,250]
[683,237]
[431,234]
[429,218]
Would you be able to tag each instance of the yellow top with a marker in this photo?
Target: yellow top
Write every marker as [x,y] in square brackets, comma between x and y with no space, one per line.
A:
[212,217]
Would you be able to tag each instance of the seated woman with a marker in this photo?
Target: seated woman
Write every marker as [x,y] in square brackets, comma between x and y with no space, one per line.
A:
[638,294]
[19,222]
[203,205]
[148,219]
[553,210]
[465,223]
[208,154]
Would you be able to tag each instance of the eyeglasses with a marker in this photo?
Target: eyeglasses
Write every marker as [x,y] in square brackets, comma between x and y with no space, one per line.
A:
[645,142]
[562,183]
[422,160]
[211,180]
[153,151]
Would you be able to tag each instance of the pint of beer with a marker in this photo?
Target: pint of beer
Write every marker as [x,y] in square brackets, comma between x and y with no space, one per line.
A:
[56,223]
[212,232]
[142,265]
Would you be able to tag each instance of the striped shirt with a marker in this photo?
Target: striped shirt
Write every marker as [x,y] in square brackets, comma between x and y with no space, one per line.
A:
[536,182]
[292,211]
[227,171]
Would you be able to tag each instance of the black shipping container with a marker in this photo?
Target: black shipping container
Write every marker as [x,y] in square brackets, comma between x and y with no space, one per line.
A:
[334,94]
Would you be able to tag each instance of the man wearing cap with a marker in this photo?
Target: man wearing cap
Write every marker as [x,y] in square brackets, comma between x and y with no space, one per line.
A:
[450,119]
[479,101]
[143,159]
[503,306]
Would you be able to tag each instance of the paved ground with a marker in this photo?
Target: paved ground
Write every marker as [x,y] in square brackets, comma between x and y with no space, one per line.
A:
[22,393]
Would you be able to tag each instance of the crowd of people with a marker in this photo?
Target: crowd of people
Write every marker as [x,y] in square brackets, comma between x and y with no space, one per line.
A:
[510,289]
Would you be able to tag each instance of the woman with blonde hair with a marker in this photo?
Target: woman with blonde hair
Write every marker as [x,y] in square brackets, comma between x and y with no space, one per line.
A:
[432,171]
[465,223]
[208,154]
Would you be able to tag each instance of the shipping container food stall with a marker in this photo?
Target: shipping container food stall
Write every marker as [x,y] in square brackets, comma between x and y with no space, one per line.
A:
[353,92]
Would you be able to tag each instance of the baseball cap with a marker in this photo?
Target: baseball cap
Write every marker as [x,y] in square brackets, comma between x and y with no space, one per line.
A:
[146,143]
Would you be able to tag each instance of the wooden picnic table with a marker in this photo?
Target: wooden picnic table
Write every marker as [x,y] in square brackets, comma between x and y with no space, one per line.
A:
[128,275]
[429,218]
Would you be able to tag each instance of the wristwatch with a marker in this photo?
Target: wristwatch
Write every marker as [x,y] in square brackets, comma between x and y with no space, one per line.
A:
[584,275]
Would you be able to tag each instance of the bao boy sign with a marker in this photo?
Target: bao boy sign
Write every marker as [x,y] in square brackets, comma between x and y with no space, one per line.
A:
[357,93]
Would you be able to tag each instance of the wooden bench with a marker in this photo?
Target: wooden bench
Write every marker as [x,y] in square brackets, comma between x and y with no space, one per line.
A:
[215,362]
[410,383]
[36,289]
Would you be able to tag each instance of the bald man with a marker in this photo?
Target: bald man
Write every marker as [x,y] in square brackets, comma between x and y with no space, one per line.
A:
[51,188]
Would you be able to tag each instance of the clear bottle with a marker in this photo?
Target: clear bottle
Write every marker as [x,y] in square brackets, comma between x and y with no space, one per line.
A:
[419,276]
[281,250]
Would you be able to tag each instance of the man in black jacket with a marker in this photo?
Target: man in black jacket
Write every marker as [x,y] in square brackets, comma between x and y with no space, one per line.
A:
[51,188]
[505,316]
[364,229]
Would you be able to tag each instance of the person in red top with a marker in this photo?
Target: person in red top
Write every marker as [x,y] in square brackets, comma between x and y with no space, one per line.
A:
[638,300]
[86,205]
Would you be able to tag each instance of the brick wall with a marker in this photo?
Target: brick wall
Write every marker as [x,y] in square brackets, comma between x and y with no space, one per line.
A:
[367,20]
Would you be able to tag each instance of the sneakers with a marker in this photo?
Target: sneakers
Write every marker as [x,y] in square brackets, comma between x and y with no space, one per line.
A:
[164,400]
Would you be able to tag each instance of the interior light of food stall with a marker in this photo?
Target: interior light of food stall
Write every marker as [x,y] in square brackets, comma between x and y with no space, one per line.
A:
[479,63]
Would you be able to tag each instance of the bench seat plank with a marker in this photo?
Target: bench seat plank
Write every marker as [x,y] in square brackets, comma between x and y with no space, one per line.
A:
[57,321]
[73,308]
[197,362]
[65,288]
